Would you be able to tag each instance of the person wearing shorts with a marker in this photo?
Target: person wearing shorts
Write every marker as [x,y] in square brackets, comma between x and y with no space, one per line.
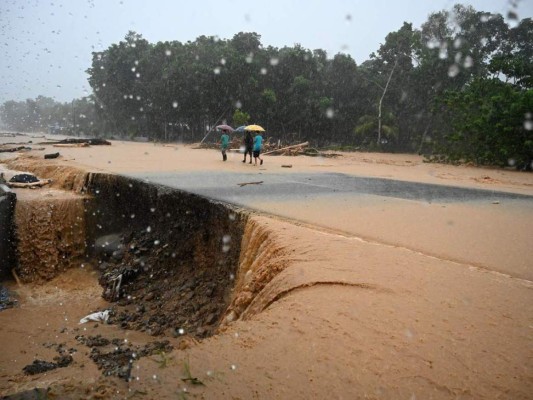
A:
[258,142]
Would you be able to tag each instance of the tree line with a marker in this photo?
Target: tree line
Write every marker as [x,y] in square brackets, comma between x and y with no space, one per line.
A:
[459,89]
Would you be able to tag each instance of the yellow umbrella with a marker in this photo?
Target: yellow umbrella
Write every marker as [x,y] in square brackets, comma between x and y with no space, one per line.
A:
[256,128]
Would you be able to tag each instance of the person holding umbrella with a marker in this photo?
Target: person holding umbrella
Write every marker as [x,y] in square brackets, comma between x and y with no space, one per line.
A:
[258,142]
[224,143]
[248,145]
[224,139]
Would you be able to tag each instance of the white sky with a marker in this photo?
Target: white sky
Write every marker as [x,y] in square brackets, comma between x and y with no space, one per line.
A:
[46,45]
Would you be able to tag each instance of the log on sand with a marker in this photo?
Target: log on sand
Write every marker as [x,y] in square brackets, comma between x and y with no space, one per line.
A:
[301,145]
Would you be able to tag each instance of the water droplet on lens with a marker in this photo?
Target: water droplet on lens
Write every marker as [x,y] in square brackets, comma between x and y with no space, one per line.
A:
[453,71]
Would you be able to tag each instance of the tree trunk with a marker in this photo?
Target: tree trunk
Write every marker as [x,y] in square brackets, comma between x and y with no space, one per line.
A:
[381,101]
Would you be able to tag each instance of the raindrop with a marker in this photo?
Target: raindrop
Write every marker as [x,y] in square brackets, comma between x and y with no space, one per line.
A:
[152,209]
[274,61]
[512,15]
[511,162]
[226,239]
[485,18]
[138,75]
[125,96]
[528,125]
[133,69]
[136,62]
[175,104]
[233,367]
[330,113]
[458,57]
[216,71]
[457,43]
[132,216]
[443,53]
[453,71]
[348,18]
[138,97]
[223,61]
[130,96]
[263,71]
[250,58]
[156,242]
[469,62]
[225,248]
[433,44]
[149,229]
[238,104]
[168,53]
[181,331]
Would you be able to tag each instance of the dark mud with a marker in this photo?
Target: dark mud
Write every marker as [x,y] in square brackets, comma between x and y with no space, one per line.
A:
[7,299]
[175,267]
[115,357]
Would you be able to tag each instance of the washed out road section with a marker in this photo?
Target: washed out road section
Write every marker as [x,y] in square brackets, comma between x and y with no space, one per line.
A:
[477,227]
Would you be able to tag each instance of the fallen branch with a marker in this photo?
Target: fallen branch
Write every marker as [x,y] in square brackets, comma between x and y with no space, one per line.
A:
[249,183]
[71,145]
[304,144]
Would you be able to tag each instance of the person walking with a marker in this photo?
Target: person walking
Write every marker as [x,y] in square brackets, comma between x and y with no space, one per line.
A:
[224,143]
[258,142]
[248,145]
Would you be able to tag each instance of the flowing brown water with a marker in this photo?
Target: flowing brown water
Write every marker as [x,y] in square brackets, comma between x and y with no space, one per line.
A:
[51,234]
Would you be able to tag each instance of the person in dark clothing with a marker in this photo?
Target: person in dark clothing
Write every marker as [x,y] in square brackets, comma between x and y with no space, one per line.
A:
[248,145]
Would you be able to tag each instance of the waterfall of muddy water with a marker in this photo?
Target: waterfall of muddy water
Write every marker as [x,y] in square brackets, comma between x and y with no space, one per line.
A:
[50,228]
[262,258]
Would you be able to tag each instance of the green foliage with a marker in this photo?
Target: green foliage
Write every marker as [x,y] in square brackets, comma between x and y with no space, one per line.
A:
[240,118]
[486,124]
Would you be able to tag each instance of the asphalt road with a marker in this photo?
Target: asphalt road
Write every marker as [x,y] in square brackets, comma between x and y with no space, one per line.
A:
[279,187]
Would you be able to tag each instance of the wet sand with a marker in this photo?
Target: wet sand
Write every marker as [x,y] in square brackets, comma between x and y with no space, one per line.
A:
[357,310]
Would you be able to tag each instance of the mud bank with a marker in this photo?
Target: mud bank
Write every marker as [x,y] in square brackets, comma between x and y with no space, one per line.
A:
[171,262]
[8,201]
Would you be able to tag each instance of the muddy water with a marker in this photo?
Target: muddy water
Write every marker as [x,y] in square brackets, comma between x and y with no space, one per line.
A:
[50,229]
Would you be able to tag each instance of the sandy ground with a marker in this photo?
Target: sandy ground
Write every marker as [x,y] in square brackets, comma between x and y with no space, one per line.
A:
[358,311]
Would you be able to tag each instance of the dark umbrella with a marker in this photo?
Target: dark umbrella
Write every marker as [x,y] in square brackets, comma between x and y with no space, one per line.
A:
[225,128]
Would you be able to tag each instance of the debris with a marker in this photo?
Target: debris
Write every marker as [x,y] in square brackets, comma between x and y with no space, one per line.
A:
[51,155]
[71,145]
[14,149]
[24,178]
[40,366]
[93,142]
[100,316]
[39,183]
[249,183]
[289,149]
[286,166]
